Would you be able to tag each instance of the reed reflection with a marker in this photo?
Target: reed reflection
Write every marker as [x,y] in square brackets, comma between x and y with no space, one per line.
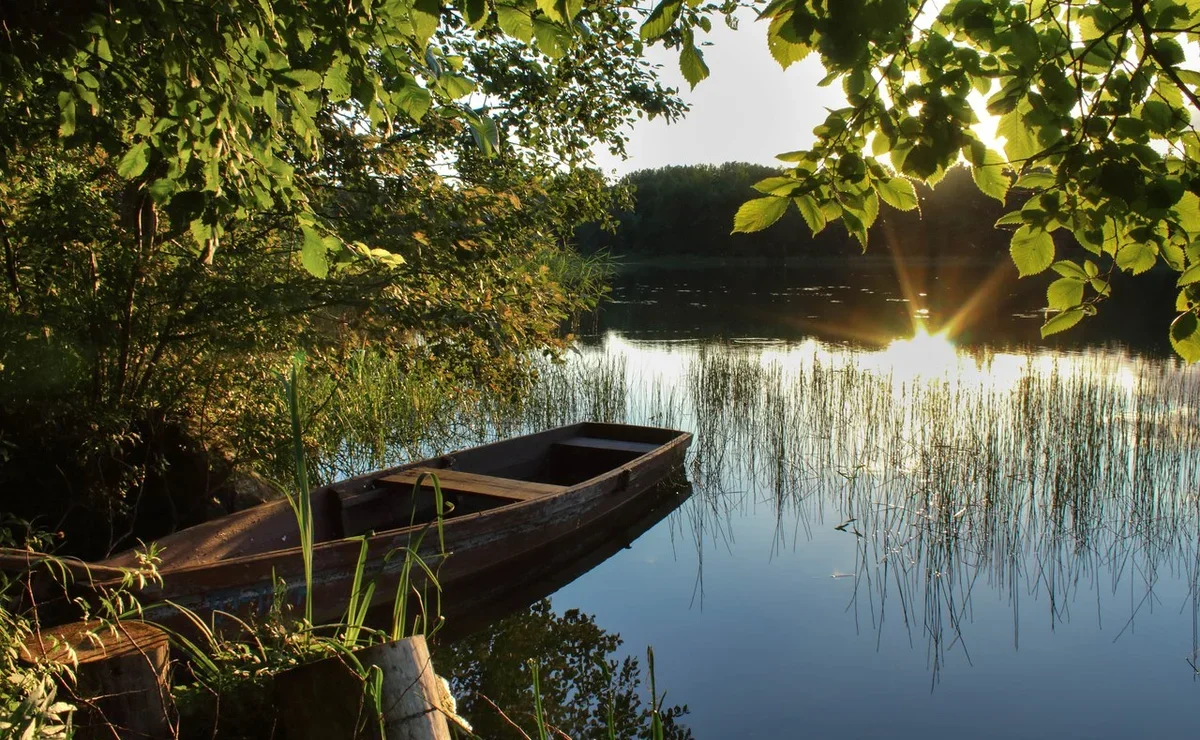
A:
[1029,476]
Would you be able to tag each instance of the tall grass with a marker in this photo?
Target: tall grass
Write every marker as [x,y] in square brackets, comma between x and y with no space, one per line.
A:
[1030,473]
[1034,472]
[299,498]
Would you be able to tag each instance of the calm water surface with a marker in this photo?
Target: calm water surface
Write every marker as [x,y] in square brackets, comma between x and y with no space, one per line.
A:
[997,538]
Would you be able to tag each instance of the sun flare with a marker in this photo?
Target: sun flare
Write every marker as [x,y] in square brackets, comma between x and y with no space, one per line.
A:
[921,355]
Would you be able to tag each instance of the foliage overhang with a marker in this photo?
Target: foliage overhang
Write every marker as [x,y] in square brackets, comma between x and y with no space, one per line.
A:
[1095,100]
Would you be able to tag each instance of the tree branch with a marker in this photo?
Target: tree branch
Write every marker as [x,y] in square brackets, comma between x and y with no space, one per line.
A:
[1139,14]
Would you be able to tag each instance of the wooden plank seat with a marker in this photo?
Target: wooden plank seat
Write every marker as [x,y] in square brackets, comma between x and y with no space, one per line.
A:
[599,443]
[473,483]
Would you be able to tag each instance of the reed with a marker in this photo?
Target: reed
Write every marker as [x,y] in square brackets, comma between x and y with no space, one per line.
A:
[1029,472]
[299,498]
[1038,474]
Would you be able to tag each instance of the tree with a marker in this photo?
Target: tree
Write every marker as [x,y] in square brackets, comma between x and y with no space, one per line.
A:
[216,111]
[191,191]
[1095,100]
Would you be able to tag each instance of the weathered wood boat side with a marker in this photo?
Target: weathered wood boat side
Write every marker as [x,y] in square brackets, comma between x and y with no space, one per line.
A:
[511,499]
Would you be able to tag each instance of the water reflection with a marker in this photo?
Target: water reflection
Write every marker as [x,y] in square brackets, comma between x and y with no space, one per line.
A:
[1065,480]
[940,542]
[473,605]
[587,688]
[872,306]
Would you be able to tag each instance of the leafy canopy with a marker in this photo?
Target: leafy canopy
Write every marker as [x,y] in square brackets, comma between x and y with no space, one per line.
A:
[190,190]
[220,111]
[1095,100]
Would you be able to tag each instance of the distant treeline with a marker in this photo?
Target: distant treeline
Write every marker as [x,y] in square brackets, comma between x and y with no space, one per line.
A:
[688,210]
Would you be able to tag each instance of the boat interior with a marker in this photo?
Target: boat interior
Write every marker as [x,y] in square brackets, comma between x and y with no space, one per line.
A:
[479,479]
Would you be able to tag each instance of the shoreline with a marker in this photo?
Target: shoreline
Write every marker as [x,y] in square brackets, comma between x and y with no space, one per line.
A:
[630,263]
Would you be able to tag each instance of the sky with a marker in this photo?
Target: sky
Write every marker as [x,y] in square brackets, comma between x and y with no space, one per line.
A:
[748,110]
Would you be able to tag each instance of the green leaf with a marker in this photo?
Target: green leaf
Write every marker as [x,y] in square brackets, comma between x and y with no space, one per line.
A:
[1036,180]
[758,214]
[424,17]
[1137,257]
[691,63]
[552,40]
[777,185]
[306,79]
[1191,275]
[456,86]
[550,9]
[337,82]
[135,160]
[413,100]
[1069,269]
[1185,336]
[515,22]
[898,193]
[161,190]
[201,232]
[1032,250]
[103,50]
[1158,116]
[1024,43]
[1187,213]
[1062,321]
[1090,239]
[66,114]
[477,13]
[485,133]
[1172,254]
[990,177]
[870,210]
[799,155]
[1169,50]
[313,254]
[1019,141]
[1011,218]
[661,19]
[855,226]
[1186,300]
[812,213]
[785,45]
[1064,293]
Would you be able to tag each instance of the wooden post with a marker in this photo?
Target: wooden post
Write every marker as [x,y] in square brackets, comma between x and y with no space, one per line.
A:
[120,684]
[328,699]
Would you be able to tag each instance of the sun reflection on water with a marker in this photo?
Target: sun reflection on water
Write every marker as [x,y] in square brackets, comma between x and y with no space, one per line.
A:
[921,355]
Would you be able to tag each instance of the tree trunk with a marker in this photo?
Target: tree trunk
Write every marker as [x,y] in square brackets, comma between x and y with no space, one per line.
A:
[120,684]
[331,699]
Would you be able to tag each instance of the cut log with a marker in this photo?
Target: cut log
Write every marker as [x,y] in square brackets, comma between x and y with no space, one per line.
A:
[120,685]
[330,698]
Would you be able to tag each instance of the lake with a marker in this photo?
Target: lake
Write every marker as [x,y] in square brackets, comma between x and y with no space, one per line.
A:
[886,535]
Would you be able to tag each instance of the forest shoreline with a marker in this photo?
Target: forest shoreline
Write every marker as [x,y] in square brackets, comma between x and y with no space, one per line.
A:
[863,262]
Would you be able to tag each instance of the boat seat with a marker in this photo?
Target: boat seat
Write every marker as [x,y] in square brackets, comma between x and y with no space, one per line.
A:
[599,443]
[472,483]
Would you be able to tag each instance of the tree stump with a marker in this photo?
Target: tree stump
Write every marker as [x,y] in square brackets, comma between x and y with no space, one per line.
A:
[329,698]
[120,683]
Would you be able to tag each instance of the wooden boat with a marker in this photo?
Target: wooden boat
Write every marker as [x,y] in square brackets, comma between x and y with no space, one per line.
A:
[509,500]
